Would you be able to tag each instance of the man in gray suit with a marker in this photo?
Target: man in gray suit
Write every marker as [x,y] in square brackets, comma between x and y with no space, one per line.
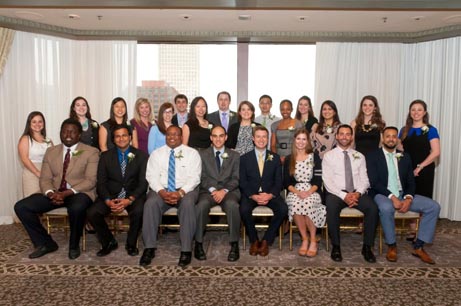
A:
[219,186]
[223,117]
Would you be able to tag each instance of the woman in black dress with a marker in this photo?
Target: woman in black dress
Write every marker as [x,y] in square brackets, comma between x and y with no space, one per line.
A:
[305,114]
[197,130]
[80,110]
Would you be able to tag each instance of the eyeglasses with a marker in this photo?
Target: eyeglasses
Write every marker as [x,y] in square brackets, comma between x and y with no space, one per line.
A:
[168,111]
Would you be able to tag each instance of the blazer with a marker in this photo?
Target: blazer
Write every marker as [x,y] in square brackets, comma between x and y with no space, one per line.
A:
[111,181]
[378,173]
[216,120]
[289,180]
[233,133]
[226,178]
[250,179]
[81,172]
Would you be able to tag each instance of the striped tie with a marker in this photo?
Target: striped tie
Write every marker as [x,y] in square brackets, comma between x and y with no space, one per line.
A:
[171,172]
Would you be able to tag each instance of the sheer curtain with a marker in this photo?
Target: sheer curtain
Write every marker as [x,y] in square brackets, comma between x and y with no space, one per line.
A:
[45,73]
[398,74]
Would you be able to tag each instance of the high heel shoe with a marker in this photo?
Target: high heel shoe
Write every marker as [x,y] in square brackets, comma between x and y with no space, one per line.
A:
[312,253]
[303,251]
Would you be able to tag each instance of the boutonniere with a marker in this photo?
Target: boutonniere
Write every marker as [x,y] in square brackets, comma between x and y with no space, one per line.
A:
[329,129]
[356,155]
[94,124]
[425,129]
[231,114]
[225,155]
[291,128]
[271,117]
[179,155]
[304,121]
[47,141]
[128,123]
[210,126]
[270,157]
[310,164]
[131,156]
[252,125]
[398,156]
[77,152]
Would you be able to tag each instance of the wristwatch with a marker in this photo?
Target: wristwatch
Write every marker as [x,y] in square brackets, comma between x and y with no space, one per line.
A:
[419,166]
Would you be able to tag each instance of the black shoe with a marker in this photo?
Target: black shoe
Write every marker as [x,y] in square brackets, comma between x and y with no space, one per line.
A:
[185,259]
[199,253]
[74,253]
[131,250]
[147,257]
[336,253]
[368,254]
[43,250]
[112,245]
[234,254]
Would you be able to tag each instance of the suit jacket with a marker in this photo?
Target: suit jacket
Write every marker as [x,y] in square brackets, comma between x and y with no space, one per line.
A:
[111,181]
[233,134]
[216,120]
[250,179]
[174,120]
[378,173]
[81,172]
[226,178]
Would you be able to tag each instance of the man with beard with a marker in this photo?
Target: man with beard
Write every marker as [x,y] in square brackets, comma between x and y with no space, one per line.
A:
[393,187]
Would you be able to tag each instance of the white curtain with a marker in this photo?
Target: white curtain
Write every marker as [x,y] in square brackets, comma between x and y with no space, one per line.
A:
[45,73]
[398,74]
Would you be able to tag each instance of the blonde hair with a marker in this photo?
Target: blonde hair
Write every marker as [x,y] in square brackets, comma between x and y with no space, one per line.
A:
[136,115]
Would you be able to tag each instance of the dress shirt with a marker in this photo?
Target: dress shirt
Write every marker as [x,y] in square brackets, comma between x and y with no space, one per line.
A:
[333,171]
[260,119]
[122,155]
[396,165]
[188,166]
[181,119]
[64,151]
[257,152]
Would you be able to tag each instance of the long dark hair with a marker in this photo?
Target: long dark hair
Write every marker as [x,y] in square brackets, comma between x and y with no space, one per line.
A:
[193,122]
[160,121]
[310,111]
[250,105]
[409,122]
[73,114]
[28,129]
[376,118]
[336,120]
[294,153]
[112,121]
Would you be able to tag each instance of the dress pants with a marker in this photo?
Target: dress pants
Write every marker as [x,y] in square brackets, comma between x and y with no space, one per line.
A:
[280,210]
[366,205]
[155,207]
[28,211]
[97,213]
[429,209]
[229,205]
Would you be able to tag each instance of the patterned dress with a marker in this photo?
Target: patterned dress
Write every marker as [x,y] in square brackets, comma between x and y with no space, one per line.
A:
[244,140]
[322,143]
[311,206]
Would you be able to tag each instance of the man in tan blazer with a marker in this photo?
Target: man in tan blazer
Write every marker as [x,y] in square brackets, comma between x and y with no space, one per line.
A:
[68,178]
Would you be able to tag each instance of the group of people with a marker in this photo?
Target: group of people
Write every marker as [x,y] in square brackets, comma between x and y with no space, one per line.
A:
[195,160]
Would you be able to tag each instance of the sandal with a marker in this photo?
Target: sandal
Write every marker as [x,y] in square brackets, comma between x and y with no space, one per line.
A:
[303,251]
[310,252]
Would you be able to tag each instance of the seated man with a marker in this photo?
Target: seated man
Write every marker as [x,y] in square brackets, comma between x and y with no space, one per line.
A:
[345,179]
[68,179]
[121,185]
[173,173]
[219,186]
[393,187]
[260,184]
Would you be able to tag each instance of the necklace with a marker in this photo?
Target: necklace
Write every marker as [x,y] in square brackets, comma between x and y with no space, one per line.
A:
[370,127]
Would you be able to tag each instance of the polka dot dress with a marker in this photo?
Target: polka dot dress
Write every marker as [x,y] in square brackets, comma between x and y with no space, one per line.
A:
[311,206]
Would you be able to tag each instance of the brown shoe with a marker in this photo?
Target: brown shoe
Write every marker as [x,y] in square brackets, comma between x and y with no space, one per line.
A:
[423,256]
[391,254]
[254,248]
[263,248]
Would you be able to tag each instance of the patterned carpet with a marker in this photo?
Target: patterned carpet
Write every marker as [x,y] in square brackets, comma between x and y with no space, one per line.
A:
[282,278]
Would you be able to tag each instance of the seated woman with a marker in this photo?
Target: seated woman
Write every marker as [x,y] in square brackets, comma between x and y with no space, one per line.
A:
[302,178]
[197,130]
[142,122]
[118,115]
[283,130]
[80,110]
[240,134]
[31,148]
[157,132]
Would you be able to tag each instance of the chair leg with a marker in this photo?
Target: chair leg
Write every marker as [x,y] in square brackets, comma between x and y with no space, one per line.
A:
[380,233]
[280,237]
[244,238]
[291,236]
[327,242]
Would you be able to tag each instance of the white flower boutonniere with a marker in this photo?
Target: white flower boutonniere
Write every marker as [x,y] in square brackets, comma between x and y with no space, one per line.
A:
[131,156]
[47,141]
[398,156]
[179,155]
[425,129]
[94,124]
[210,126]
[225,155]
[231,114]
[77,152]
[329,129]
[253,125]
[291,128]
[271,117]
[356,155]
[270,157]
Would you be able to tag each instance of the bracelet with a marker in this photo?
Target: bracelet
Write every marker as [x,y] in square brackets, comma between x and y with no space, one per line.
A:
[419,166]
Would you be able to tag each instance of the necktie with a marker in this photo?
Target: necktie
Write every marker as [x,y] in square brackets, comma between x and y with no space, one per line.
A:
[218,160]
[393,183]
[264,121]
[65,165]
[171,172]
[261,163]
[224,120]
[122,193]
[348,173]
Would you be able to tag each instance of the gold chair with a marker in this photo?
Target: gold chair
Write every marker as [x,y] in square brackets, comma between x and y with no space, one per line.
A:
[403,227]
[59,219]
[262,211]
[348,213]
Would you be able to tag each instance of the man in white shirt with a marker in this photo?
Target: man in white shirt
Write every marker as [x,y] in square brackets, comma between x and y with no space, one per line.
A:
[173,173]
[223,117]
[345,178]
[266,118]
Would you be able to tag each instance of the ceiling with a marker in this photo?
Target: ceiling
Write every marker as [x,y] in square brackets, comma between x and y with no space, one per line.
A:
[291,21]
